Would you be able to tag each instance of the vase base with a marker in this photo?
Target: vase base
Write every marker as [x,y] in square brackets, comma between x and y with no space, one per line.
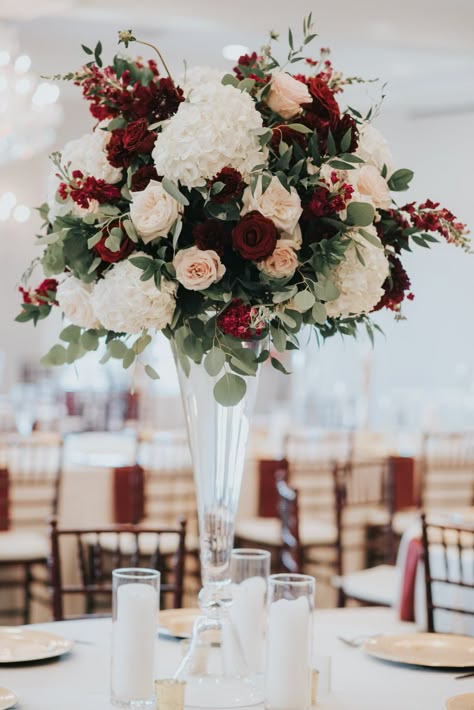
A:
[213,691]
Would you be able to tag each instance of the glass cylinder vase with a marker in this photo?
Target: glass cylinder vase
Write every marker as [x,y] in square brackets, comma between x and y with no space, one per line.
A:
[218,438]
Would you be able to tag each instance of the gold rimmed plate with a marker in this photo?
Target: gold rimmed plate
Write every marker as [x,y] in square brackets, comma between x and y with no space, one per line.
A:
[7,699]
[423,649]
[22,645]
[461,702]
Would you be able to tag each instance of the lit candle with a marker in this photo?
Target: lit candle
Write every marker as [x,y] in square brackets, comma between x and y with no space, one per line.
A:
[134,634]
[248,616]
[288,670]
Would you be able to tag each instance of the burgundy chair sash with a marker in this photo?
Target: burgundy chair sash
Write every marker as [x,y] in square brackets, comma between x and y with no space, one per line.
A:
[129,498]
[407,601]
[4,499]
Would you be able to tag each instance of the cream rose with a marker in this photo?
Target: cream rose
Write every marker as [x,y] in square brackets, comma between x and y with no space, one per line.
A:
[153,211]
[295,237]
[197,269]
[374,149]
[370,183]
[287,95]
[282,262]
[74,298]
[276,203]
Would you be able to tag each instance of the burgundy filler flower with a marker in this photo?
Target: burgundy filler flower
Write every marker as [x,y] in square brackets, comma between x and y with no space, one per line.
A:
[233,185]
[212,234]
[237,320]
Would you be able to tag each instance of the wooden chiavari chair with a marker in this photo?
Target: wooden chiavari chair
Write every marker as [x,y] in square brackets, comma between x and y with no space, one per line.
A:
[446,470]
[100,550]
[448,552]
[32,469]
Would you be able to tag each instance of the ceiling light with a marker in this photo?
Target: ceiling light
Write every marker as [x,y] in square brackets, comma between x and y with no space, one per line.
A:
[22,64]
[21,213]
[45,94]
[234,51]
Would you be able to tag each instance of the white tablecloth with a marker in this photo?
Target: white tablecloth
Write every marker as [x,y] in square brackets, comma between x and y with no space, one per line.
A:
[80,680]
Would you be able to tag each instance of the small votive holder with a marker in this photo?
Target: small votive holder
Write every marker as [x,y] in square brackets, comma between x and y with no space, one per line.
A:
[136,593]
[250,569]
[170,694]
[288,671]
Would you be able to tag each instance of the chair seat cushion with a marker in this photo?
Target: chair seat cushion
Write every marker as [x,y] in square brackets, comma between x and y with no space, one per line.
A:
[147,542]
[376,585]
[268,531]
[21,546]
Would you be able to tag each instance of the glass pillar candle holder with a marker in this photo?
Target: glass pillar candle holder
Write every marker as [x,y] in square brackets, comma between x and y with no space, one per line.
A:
[249,572]
[136,594]
[288,672]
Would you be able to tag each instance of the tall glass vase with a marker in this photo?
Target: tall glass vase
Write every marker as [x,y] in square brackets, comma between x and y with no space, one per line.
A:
[216,675]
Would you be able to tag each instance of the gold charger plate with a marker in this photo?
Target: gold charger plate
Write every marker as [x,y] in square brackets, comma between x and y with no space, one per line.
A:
[461,702]
[7,699]
[19,645]
[423,649]
[178,624]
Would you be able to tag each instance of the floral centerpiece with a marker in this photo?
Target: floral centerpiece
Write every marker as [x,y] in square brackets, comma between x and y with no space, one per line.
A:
[221,209]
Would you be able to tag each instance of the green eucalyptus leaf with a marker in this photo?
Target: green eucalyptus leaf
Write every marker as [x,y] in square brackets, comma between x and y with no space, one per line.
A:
[151,372]
[90,340]
[303,301]
[360,214]
[230,389]
[70,334]
[174,191]
[279,366]
[117,349]
[372,238]
[56,356]
[214,361]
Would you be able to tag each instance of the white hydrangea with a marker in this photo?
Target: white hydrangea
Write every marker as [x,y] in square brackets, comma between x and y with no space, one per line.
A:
[74,299]
[214,129]
[360,286]
[125,304]
[197,76]
[88,155]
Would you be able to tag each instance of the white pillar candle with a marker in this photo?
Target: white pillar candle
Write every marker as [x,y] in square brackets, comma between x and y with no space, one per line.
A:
[133,642]
[248,616]
[288,667]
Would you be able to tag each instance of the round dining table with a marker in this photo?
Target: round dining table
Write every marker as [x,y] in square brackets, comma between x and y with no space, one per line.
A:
[79,680]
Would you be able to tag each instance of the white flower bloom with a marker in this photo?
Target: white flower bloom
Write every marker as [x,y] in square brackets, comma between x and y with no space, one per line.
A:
[374,149]
[88,155]
[125,304]
[360,286]
[296,237]
[369,183]
[197,269]
[196,77]
[74,298]
[153,211]
[276,203]
[215,128]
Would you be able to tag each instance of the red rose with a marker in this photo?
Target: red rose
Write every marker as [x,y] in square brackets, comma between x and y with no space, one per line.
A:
[106,254]
[287,135]
[254,237]
[137,138]
[233,185]
[212,235]
[324,104]
[142,177]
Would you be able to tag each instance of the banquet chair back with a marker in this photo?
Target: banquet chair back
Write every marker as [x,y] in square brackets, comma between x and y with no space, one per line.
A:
[169,484]
[364,510]
[101,550]
[34,466]
[447,470]
[448,552]
[291,553]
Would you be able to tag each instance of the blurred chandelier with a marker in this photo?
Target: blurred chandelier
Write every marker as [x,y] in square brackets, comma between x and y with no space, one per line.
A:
[29,113]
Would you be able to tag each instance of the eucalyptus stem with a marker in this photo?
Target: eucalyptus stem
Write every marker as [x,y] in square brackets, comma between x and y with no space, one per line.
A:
[126,36]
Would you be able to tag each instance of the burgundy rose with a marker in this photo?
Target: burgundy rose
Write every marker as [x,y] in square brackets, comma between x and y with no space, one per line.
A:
[137,138]
[255,236]
[233,185]
[340,128]
[142,177]
[212,235]
[106,254]
[324,105]
[287,135]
